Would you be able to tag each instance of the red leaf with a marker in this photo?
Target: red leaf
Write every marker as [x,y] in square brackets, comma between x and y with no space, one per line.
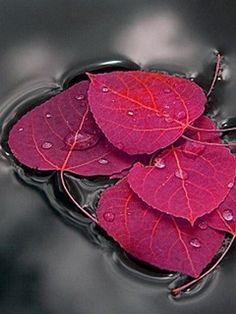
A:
[156,238]
[141,112]
[188,180]
[224,217]
[61,134]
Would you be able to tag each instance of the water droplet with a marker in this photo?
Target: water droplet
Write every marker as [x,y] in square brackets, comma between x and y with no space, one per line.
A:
[230,185]
[159,163]
[105,89]
[20,129]
[130,113]
[168,119]
[181,174]
[48,115]
[228,215]
[103,161]
[47,145]
[193,150]
[120,146]
[167,90]
[80,97]
[82,140]
[167,107]
[203,225]
[195,243]
[109,217]
[181,115]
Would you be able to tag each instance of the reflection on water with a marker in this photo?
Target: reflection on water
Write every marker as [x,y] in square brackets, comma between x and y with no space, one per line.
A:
[160,36]
[47,265]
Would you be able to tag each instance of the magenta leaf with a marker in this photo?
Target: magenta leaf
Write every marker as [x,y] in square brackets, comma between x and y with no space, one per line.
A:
[154,237]
[224,217]
[142,112]
[187,180]
[61,134]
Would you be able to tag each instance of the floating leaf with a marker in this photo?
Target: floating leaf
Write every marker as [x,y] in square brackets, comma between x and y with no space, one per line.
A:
[61,134]
[187,180]
[224,217]
[142,112]
[154,237]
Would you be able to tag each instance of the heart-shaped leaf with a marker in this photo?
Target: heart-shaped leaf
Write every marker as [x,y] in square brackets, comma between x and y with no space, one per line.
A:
[187,180]
[154,237]
[61,134]
[141,112]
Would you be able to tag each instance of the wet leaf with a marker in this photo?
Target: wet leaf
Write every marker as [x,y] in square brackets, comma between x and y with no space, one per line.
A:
[154,237]
[62,134]
[224,217]
[142,112]
[187,180]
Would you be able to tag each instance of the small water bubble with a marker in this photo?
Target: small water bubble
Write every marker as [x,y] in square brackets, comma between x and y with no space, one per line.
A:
[20,129]
[109,217]
[167,107]
[168,119]
[181,174]
[159,163]
[167,90]
[82,140]
[228,215]
[80,97]
[181,115]
[120,146]
[130,113]
[105,89]
[203,225]
[193,150]
[230,185]
[48,115]
[103,161]
[47,145]
[195,243]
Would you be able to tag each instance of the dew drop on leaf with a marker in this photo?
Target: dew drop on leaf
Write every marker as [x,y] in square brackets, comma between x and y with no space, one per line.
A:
[47,145]
[20,129]
[203,225]
[120,146]
[105,89]
[103,161]
[181,115]
[195,243]
[84,140]
[181,174]
[230,185]
[228,215]
[167,90]
[130,113]
[48,115]
[80,97]
[168,119]
[109,217]
[159,163]
[193,150]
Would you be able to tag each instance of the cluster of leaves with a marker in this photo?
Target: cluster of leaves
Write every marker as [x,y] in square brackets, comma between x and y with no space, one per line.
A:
[176,195]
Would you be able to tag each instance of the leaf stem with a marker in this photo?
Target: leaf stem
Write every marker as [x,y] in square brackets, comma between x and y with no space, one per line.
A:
[176,291]
[216,74]
[212,130]
[74,201]
[233,144]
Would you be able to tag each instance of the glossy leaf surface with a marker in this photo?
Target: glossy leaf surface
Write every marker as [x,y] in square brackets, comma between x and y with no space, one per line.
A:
[154,237]
[142,112]
[62,134]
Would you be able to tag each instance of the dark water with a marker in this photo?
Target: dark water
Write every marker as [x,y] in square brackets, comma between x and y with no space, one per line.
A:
[51,259]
